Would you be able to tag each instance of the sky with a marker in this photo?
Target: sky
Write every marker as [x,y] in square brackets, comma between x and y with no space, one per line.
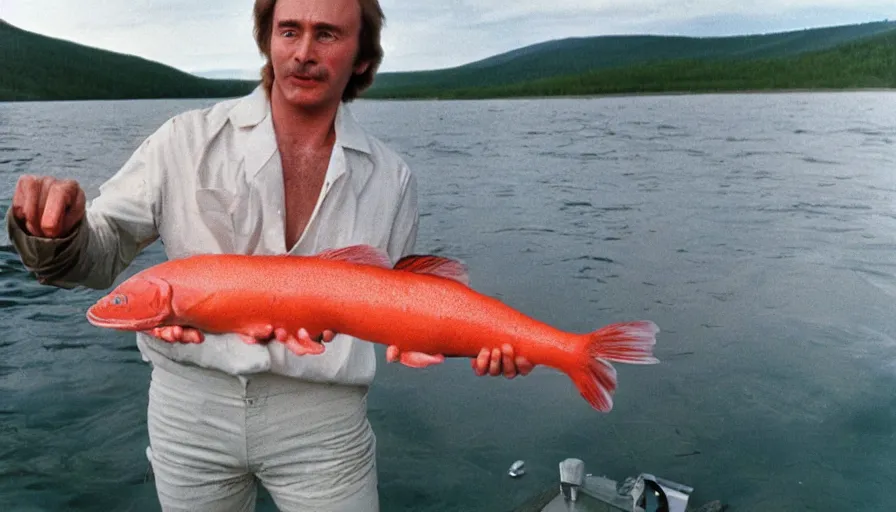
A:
[199,36]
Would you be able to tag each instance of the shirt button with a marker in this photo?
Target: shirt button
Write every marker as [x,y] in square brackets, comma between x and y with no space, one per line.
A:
[250,401]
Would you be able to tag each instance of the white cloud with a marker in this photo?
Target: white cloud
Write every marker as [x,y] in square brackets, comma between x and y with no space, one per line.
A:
[422,34]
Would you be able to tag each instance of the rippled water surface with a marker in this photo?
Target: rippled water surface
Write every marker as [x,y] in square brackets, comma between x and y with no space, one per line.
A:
[758,231]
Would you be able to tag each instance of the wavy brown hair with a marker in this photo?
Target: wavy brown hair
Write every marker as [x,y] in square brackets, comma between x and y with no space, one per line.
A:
[369,47]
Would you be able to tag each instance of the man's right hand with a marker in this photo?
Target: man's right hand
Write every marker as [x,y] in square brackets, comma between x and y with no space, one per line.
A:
[47,206]
[177,334]
[181,334]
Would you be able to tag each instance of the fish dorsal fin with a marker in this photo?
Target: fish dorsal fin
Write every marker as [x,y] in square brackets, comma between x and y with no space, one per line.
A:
[435,265]
[360,254]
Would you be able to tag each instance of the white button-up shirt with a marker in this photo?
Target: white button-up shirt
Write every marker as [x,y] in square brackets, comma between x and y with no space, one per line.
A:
[210,181]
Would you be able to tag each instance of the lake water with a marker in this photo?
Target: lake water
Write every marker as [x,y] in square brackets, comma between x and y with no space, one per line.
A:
[758,231]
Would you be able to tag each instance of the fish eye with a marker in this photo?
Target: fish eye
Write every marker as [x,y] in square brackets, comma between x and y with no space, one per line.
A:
[118,300]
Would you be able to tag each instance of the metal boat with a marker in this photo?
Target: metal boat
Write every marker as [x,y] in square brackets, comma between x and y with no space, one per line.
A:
[577,491]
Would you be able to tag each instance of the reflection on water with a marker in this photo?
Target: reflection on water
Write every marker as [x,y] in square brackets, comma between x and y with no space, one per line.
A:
[756,230]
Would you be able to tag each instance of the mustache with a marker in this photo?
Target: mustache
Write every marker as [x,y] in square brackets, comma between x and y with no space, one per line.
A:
[308,70]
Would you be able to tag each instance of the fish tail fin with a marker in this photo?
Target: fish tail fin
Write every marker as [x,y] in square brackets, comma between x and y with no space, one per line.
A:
[596,381]
[627,342]
[624,342]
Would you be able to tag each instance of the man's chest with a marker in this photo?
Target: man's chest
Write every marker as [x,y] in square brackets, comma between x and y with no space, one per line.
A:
[304,174]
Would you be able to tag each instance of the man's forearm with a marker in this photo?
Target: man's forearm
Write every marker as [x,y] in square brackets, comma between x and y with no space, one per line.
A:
[52,260]
[89,256]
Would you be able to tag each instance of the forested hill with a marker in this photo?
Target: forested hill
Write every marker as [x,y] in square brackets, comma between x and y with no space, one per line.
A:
[580,55]
[864,62]
[36,67]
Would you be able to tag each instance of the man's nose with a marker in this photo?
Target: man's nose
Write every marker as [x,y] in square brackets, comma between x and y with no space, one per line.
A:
[304,50]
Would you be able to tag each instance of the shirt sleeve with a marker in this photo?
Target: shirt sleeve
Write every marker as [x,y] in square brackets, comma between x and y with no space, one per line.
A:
[117,226]
[404,228]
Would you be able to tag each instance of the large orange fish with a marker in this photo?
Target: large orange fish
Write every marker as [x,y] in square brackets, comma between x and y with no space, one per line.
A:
[423,304]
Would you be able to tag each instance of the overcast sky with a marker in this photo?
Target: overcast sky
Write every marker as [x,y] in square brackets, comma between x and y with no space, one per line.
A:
[199,35]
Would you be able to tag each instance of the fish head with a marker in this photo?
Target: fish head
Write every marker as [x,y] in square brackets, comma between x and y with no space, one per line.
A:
[138,304]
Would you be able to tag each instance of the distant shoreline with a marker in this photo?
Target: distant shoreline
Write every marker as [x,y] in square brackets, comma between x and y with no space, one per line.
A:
[638,94]
[841,58]
[510,98]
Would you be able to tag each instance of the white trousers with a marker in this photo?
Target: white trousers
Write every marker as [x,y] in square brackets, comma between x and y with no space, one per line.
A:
[212,435]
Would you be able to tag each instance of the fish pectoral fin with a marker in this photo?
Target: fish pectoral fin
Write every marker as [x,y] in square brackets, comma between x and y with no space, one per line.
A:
[413,359]
[184,299]
[435,265]
[362,254]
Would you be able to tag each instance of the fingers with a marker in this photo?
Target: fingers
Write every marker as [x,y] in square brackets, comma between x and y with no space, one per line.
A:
[45,184]
[412,359]
[507,362]
[523,365]
[494,367]
[304,336]
[59,198]
[48,207]
[300,347]
[325,336]
[282,335]
[193,336]
[481,363]
[173,334]
[392,353]
[501,361]
[420,359]
[304,345]
[300,344]
[163,333]
[177,334]
[27,198]
[20,198]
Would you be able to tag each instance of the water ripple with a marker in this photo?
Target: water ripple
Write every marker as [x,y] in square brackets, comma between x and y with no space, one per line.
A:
[756,230]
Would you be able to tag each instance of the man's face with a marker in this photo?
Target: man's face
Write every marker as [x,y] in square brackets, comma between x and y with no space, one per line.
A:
[313,49]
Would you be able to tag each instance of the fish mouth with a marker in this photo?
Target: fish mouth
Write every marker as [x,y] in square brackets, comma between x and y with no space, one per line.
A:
[124,324]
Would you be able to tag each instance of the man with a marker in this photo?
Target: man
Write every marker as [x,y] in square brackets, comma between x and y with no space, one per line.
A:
[285,169]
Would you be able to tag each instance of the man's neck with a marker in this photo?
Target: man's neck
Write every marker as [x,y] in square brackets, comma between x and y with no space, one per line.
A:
[306,128]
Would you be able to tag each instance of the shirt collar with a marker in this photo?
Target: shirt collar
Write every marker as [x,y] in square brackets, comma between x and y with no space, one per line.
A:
[251,110]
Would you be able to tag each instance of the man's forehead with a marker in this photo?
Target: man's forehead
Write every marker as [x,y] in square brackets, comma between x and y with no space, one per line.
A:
[335,12]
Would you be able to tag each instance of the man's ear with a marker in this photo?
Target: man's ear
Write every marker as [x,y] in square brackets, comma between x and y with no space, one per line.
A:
[361,67]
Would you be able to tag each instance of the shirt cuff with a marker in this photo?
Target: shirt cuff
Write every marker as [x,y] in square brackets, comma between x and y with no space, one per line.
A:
[51,259]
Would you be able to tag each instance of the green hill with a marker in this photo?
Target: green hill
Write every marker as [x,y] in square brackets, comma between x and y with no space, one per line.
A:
[36,67]
[580,55]
[868,62]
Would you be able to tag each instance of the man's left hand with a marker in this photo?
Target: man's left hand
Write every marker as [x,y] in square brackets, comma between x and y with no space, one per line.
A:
[303,344]
[497,361]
